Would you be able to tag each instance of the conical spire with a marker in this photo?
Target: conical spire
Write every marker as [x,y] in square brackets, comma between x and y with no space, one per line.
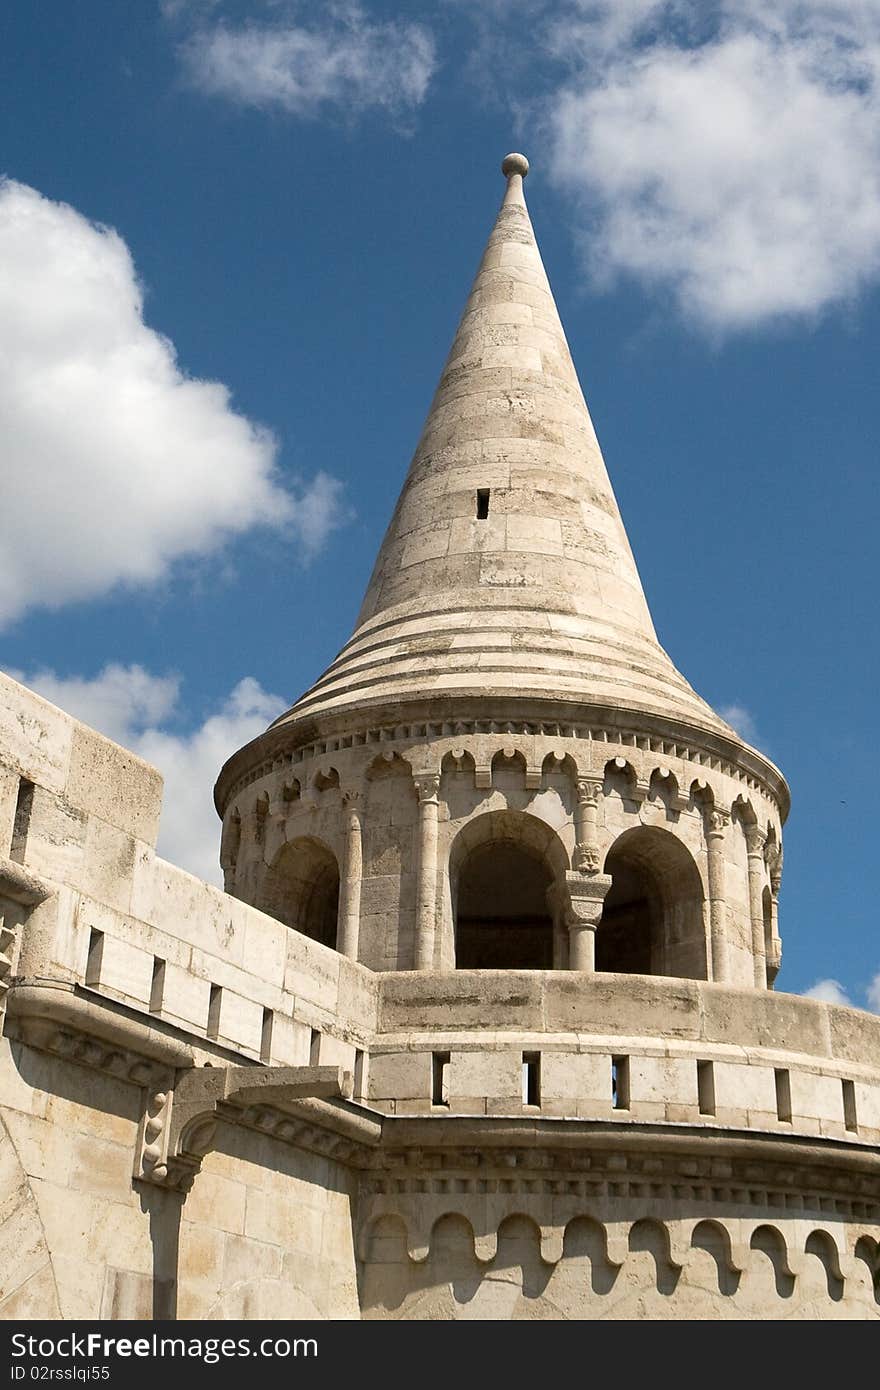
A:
[506,570]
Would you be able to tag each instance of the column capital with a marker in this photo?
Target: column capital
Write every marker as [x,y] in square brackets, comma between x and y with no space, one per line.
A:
[717,821]
[755,841]
[427,785]
[585,899]
[353,798]
[773,857]
[589,789]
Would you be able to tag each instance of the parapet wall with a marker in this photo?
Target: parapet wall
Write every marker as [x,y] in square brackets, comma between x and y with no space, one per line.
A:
[80,815]
[717,1157]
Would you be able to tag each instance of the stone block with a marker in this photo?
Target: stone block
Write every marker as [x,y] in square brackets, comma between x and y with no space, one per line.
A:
[127,1296]
[290,1041]
[401,1075]
[744,1087]
[43,1147]
[56,838]
[663,1080]
[767,1019]
[819,1097]
[125,970]
[632,1005]
[219,1202]
[108,862]
[574,1076]
[186,997]
[35,737]
[187,908]
[240,1022]
[265,948]
[485,1075]
[111,783]
[100,1167]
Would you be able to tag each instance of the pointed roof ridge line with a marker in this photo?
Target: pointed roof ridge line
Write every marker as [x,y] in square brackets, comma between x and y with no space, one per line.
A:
[507,506]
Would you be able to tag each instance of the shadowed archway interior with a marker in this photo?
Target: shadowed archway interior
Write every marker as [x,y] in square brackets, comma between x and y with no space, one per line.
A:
[652,919]
[302,889]
[502,918]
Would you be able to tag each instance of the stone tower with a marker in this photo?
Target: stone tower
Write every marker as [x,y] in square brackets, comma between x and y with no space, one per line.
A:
[503,794]
[484,1025]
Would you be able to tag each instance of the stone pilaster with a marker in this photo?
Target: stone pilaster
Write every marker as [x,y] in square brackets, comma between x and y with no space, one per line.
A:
[428,789]
[717,822]
[774,957]
[352,875]
[755,840]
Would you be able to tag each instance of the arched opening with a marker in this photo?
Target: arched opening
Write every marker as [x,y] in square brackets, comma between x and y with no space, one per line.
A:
[652,919]
[301,889]
[502,870]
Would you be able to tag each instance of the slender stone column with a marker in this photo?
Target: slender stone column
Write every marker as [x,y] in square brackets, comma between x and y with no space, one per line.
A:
[774,959]
[348,930]
[428,788]
[716,829]
[755,839]
[584,911]
[586,825]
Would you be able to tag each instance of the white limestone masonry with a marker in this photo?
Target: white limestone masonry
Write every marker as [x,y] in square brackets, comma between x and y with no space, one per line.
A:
[484,1024]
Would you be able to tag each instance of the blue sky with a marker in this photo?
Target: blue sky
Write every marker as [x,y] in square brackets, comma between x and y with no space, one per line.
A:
[234,243]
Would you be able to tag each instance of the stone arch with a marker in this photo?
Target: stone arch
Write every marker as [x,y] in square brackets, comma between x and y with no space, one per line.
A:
[559,763]
[652,920]
[384,1270]
[503,869]
[663,789]
[519,1249]
[585,1241]
[868,1250]
[651,1237]
[714,1239]
[301,889]
[821,1245]
[388,764]
[620,777]
[509,768]
[771,1243]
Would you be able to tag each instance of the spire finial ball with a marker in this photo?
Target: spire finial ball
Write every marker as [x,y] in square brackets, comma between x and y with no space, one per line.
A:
[514,164]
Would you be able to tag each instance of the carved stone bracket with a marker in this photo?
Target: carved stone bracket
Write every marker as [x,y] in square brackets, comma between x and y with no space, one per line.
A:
[180,1121]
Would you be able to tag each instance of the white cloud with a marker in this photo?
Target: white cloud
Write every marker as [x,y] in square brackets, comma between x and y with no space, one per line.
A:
[117,463]
[342,59]
[829,991]
[743,721]
[189,834]
[130,705]
[730,155]
[120,702]
[872,994]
